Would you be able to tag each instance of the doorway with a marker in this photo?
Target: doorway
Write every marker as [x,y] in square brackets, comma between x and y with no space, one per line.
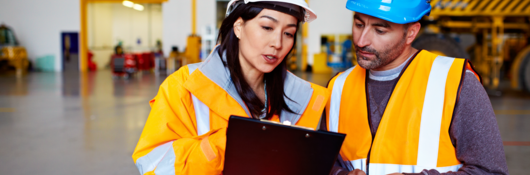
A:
[83,34]
[70,51]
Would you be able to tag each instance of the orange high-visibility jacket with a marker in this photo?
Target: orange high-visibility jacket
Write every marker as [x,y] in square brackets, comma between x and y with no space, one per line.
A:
[186,129]
[413,134]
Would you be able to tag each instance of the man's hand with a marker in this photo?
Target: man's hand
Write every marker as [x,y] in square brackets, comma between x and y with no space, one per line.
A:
[357,172]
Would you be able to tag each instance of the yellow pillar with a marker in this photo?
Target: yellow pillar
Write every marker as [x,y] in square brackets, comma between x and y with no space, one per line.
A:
[497,35]
[305,33]
[193,46]
[83,48]
[193,17]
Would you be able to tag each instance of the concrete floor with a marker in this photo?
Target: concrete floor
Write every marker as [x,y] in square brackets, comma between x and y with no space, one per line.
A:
[67,123]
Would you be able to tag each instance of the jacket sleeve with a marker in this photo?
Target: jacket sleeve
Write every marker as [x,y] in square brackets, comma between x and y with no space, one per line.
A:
[169,143]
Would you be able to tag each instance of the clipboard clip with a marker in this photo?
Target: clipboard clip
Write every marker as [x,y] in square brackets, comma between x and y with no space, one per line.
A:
[286,124]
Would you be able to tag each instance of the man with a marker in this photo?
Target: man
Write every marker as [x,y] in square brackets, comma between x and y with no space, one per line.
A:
[406,110]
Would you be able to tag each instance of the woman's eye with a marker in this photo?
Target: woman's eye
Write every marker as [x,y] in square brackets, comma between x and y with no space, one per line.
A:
[289,34]
[267,28]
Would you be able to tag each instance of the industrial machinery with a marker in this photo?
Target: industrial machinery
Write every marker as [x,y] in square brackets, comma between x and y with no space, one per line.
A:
[146,61]
[13,55]
[193,50]
[502,33]
[174,61]
[123,65]
[345,54]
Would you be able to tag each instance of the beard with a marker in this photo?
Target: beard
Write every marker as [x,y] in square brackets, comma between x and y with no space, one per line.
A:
[382,57]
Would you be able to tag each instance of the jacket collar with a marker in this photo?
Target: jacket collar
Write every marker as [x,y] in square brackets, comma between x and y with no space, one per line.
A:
[298,90]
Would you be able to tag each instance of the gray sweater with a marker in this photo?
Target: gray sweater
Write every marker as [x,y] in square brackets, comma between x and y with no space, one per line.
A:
[474,131]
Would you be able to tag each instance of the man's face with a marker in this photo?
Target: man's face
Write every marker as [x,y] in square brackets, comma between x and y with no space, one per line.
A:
[377,42]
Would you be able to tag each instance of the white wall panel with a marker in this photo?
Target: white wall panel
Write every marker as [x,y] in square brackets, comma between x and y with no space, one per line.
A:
[177,21]
[109,23]
[333,18]
[176,16]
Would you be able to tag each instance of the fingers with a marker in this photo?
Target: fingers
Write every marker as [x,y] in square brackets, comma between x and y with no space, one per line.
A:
[357,172]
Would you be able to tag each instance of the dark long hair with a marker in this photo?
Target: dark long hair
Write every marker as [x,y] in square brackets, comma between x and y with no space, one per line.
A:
[229,44]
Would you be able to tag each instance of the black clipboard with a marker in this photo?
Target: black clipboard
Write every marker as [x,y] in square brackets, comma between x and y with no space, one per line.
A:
[263,147]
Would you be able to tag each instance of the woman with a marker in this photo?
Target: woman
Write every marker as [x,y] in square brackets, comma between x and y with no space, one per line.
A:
[245,75]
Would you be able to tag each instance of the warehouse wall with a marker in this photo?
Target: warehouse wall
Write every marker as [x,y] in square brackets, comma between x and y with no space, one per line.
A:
[109,23]
[99,25]
[38,24]
[129,25]
[177,21]
[333,18]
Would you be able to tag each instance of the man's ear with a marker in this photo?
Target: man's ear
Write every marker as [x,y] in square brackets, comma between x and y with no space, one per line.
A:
[412,32]
[238,26]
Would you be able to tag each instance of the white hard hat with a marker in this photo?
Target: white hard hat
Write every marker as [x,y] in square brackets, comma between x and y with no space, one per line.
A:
[309,15]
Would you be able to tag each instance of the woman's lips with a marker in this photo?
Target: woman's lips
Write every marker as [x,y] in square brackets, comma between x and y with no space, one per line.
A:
[270,59]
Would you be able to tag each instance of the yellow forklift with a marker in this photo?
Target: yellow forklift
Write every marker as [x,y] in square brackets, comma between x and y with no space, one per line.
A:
[13,55]
[502,33]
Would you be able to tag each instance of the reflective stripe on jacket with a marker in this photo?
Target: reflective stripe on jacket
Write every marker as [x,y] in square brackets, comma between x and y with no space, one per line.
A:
[413,134]
[185,132]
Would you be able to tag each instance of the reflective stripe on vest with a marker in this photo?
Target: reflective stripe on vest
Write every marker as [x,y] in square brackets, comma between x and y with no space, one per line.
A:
[202,112]
[384,169]
[430,125]
[431,116]
[335,100]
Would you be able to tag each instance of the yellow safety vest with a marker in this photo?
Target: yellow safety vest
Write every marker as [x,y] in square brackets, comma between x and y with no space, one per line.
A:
[413,134]
[186,129]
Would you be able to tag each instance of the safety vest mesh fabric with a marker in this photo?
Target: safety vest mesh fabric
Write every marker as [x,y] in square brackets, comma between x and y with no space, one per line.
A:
[413,134]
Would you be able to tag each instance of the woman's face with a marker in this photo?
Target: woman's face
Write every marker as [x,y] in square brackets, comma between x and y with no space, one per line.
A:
[265,40]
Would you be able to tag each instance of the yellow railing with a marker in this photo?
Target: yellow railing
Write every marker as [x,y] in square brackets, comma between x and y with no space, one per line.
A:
[480,8]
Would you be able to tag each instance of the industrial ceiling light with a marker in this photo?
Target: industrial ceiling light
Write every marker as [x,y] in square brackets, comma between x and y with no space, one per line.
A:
[138,7]
[128,3]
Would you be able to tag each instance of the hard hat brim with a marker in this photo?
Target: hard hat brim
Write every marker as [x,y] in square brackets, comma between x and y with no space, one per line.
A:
[310,14]
[384,12]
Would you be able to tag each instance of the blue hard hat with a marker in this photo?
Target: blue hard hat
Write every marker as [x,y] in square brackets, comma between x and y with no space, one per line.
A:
[396,11]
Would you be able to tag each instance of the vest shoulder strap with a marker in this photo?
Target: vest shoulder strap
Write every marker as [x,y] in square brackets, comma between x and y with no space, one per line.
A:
[336,85]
